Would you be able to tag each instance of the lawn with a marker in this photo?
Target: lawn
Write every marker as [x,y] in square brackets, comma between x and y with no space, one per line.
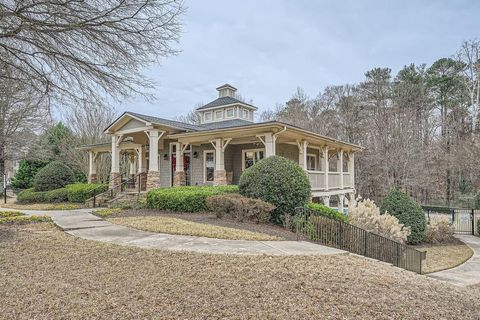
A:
[179,226]
[441,257]
[47,274]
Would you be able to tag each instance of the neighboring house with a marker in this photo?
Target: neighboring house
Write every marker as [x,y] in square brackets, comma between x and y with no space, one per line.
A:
[11,168]
[165,153]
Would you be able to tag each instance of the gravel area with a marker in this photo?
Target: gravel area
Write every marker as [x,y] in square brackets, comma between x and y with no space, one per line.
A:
[441,257]
[210,218]
[47,274]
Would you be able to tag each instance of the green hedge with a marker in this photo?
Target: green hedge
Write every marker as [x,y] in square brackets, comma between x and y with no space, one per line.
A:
[185,199]
[53,176]
[326,211]
[439,209]
[79,192]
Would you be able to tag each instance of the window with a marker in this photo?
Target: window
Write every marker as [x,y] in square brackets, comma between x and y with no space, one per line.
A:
[219,114]
[250,157]
[209,165]
[311,162]
[245,113]
[208,116]
[230,113]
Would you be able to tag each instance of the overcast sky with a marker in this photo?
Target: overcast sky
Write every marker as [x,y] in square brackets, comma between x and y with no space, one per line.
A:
[268,48]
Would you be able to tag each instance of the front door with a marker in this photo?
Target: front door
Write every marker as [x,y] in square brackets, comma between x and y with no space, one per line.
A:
[186,167]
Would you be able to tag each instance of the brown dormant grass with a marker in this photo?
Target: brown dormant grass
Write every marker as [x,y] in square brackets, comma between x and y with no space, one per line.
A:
[441,257]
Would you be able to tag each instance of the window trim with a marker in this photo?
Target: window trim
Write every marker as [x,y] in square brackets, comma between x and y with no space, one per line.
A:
[205,116]
[248,150]
[205,162]
[226,113]
[316,162]
[245,113]
[217,112]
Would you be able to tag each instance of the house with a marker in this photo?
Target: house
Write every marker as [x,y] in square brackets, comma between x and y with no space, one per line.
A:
[164,153]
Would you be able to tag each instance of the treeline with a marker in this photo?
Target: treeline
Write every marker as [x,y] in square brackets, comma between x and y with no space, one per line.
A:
[420,127]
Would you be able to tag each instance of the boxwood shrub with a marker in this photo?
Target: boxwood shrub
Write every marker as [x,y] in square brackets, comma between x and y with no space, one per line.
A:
[54,175]
[326,211]
[278,181]
[184,199]
[408,212]
[32,196]
[79,192]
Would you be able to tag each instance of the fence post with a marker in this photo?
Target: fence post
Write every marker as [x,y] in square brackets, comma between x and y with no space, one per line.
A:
[94,198]
[365,233]
[428,214]
[453,216]
[473,222]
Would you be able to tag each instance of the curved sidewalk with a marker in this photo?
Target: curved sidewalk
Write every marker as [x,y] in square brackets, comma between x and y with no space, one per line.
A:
[83,224]
[467,273]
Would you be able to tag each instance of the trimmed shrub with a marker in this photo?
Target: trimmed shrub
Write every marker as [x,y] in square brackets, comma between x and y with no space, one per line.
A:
[239,207]
[439,209]
[54,175]
[278,181]
[326,211]
[366,215]
[27,169]
[439,230]
[408,212]
[57,195]
[31,196]
[185,199]
[80,192]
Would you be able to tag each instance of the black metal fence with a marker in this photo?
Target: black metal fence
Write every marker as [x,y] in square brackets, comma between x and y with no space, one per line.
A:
[464,221]
[341,235]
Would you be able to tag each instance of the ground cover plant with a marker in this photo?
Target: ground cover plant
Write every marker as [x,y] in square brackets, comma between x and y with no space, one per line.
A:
[185,199]
[16,217]
[52,275]
[278,181]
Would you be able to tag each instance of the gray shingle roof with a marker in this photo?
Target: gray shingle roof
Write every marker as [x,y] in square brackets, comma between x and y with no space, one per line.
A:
[222,101]
[225,124]
[170,123]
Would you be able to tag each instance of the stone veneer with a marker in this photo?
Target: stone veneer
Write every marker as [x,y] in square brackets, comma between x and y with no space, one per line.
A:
[220,177]
[153,180]
[115,178]
[92,178]
[179,178]
[143,181]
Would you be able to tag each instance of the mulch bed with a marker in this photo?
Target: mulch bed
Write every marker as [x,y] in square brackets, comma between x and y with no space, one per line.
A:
[210,218]
[47,274]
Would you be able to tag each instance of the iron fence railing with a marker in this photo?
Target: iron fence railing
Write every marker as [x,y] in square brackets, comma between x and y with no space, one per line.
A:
[313,227]
[464,221]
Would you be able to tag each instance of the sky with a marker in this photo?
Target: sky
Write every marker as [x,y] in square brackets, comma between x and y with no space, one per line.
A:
[267,49]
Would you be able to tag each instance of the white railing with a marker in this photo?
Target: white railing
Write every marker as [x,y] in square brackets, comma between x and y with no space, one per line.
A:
[317,180]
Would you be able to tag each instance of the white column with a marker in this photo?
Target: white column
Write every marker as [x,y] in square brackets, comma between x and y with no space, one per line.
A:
[341,201]
[115,154]
[219,154]
[302,154]
[92,169]
[340,167]
[326,168]
[153,155]
[270,147]
[179,157]
[141,159]
[351,169]
[133,165]
[326,200]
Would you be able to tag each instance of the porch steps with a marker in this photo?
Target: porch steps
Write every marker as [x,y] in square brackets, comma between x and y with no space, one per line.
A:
[128,198]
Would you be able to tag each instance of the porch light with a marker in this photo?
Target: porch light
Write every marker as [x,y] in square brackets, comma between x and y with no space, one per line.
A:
[195,154]
[165,156]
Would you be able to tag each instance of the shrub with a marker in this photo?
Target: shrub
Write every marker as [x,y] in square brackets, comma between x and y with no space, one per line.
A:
[25,174]
[366,215]
[79,192]
[32,196]
[439,209]
[54,175]
[278,181]
[326,211]
[57,195]
[439,230]
[106,212]
[408,212]
[184,199]
[239,207]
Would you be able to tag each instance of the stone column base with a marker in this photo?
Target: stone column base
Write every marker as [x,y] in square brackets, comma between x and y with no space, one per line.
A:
[143,181]
[220,177]
[115,179]
[153,180]
[179,178]
[92,178]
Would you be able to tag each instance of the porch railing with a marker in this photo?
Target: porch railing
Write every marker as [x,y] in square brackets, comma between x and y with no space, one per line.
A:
[326,231]
[317,180]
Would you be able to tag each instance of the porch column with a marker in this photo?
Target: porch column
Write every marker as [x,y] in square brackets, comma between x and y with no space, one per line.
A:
[341,202]
[219,175]
[92,167]
[142,166]
[351,169]
[302,154]
[115,171]
[326,165]
[270,146]
[326,200]
[133,164]
[340,166]
[153,175]
[179,178]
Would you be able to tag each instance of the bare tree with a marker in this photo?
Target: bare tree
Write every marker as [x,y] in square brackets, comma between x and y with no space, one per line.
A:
[83,51]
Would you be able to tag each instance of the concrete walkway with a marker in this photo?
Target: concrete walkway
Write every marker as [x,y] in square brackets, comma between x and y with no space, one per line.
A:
[83,224]
[465,274]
